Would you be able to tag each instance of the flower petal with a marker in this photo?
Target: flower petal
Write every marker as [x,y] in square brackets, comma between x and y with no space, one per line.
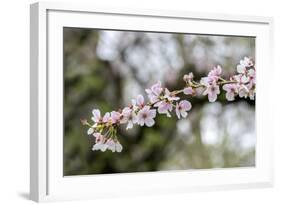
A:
[118,147]
[129,125]
[178,112]
[106,117]
[241,68]
[90,131]
[229,96]
[149,122]
[212,97]
[152,113]
[186,105]
[188,91]
[140,100]
[96,115]
[184,114]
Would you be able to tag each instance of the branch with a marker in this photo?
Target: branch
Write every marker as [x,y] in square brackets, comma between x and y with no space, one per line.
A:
[163,101]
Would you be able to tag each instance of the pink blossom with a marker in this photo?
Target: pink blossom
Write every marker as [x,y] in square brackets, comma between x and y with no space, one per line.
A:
[213,76]
[241,69]
[237,78]
[252,77]
[103,144]
[100,142]
[99,146]
[216,71]
[244,64]
[182,107]
[110,144]
[199,91]
[106,117]
[231,91]
[115,116]
[205,81]
[188,91]
[128,116]
[164,107]
[212,91]
[248,77]
[96,115]
[252,74]
[145,116]
[99,137]
[247,73]
[208,80]
[244,79]
[126,112]
[139,102]
[243,91]
[248,62]
[169,96]
[154,92]
[113,145]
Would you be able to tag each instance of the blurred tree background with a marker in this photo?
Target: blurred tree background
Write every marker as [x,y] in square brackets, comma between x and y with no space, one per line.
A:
[105,69]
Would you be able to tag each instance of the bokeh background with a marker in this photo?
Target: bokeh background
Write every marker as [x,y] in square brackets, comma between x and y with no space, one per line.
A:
[105,69]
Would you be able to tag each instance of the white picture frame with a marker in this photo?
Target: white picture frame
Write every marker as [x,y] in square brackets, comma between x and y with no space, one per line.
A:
[46,177]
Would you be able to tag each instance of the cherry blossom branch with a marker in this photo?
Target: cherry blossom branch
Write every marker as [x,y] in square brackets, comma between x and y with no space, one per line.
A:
[162,101]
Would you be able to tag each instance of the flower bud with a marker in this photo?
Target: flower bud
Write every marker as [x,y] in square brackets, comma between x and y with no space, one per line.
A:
[188,77]
[83,121]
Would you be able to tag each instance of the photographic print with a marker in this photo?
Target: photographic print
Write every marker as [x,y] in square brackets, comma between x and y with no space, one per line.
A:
[138,101]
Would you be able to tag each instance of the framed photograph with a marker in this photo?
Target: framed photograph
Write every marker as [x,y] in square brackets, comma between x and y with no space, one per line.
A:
[129,102]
